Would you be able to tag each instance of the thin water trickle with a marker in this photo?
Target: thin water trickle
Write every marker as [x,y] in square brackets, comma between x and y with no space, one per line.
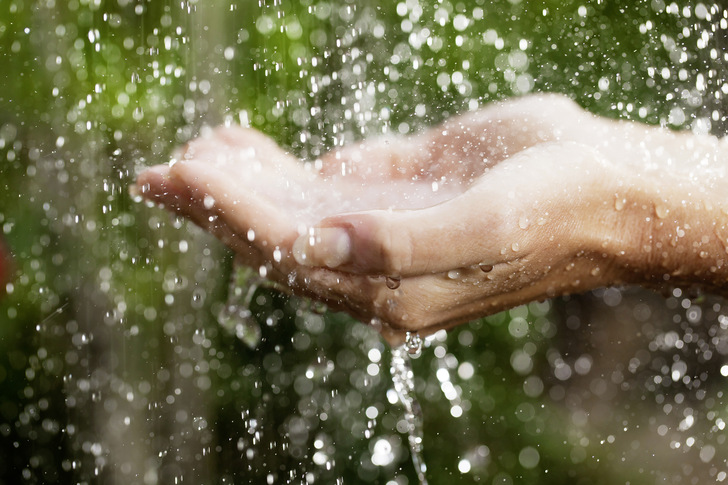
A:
[235,316]
[404,385]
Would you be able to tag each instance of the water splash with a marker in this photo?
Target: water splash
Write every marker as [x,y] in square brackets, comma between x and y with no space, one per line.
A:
[404,385]
[235,316]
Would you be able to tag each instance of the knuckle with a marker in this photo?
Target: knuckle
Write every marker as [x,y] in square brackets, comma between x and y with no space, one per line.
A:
[402,311]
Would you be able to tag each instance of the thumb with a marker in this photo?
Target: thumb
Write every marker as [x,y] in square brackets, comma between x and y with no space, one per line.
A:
[515,207]
[460,232]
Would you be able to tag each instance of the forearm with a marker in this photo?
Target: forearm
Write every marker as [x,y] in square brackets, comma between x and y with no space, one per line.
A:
[676,218]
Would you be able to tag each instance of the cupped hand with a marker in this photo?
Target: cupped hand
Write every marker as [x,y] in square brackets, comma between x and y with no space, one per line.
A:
[521,201]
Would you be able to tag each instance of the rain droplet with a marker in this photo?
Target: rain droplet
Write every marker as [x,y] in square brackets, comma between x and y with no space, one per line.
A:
[515,247]
[523,222]
[393,282]
[485,268]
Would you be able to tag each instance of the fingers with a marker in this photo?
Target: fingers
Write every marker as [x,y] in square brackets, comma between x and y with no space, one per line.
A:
[383,158]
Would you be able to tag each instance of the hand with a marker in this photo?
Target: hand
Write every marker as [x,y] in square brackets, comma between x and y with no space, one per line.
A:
[521,201]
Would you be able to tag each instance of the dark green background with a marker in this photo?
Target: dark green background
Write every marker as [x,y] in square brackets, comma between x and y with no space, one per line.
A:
[113,368]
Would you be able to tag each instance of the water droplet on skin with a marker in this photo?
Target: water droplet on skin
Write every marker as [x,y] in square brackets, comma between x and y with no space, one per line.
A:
[708,205]
[619,203]
[392,282]
[661,211]
[208,202]
[523,222]
[704,254]
[485,268]
[596,271]
[251,235]
[515,247]
[277,255]
[453,274]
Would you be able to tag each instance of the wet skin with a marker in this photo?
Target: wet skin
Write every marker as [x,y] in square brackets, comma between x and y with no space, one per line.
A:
[520,201]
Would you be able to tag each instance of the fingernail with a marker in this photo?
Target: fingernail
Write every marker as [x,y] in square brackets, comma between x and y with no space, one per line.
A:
[327,246]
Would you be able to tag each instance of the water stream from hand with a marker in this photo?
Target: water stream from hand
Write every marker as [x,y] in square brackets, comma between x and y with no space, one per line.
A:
[404,385]
[236,317]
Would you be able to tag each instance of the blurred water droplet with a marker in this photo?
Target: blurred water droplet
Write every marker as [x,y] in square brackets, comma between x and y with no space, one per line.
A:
[208,201]
[661,211]
[619,203]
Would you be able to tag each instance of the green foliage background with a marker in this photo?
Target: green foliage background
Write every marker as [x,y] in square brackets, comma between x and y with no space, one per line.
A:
[113,367]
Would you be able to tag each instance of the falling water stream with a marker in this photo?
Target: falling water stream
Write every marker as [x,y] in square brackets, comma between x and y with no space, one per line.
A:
[404,385]
[134,350]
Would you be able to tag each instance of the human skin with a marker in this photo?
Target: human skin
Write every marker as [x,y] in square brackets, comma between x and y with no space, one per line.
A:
[523,200]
